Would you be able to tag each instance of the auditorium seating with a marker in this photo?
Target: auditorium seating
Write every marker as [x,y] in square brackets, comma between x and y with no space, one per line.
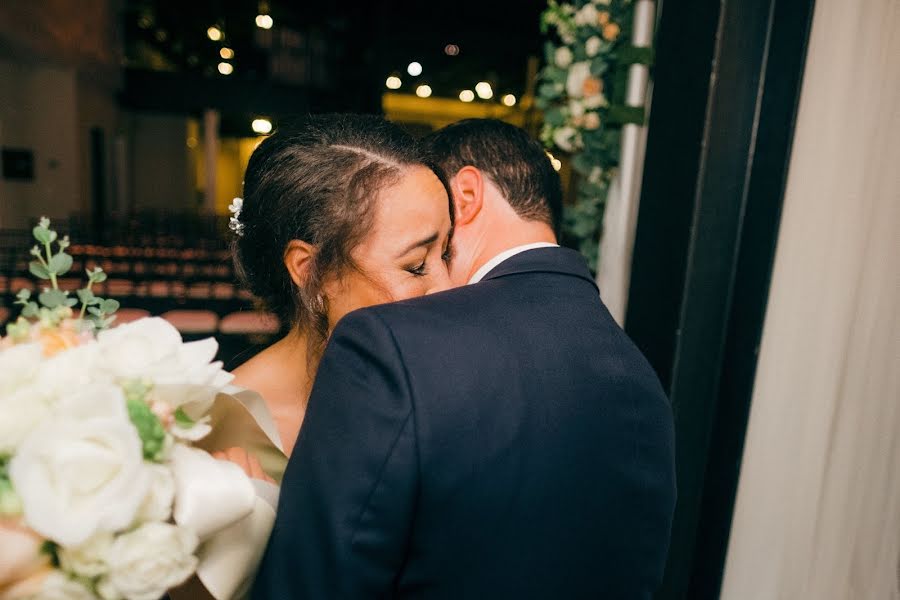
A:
[187,279]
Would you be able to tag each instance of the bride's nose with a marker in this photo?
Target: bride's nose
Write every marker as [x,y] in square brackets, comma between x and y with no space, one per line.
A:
[440,282]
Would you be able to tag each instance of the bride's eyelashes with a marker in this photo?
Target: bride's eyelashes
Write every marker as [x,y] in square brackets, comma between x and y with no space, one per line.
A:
[419,270]
[447,256]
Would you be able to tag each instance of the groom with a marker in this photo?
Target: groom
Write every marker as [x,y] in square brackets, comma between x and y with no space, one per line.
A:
[501,440]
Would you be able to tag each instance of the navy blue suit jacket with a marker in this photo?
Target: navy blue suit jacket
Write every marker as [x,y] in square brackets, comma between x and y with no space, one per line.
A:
[500,440]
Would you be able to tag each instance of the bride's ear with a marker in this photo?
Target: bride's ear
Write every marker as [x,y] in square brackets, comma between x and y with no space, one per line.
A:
[298,259]
[468,194]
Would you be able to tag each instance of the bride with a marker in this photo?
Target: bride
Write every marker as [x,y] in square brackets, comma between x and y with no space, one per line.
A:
[338,213]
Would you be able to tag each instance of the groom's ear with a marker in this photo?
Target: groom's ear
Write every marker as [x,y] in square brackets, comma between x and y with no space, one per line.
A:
[468,194]
[298,257]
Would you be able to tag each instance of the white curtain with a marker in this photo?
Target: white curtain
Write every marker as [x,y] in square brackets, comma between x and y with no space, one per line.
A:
[818,507]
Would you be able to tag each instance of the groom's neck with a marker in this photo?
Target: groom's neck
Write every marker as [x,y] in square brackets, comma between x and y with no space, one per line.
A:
[498,237]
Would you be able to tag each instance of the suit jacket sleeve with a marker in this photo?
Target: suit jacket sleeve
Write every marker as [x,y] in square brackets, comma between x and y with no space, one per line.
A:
[348,494]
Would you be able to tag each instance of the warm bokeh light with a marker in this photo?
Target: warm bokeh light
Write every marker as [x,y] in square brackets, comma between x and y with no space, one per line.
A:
[484,91]
[264,21]
[557,164]
[225,68]
[467,95]
[451,49]
[509,100]
[414,69]
[393,83]
[226,53]
[261,126]
[423,91]
[214,33]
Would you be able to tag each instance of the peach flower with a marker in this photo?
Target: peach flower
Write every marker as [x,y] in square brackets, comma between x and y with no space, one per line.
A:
[603,17]
[22,565]
[611,31]
[592,86]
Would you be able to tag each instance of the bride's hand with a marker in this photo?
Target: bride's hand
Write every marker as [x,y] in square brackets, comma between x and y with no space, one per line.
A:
[246,461]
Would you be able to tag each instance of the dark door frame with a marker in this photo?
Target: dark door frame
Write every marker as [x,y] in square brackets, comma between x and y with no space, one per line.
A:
[726,88]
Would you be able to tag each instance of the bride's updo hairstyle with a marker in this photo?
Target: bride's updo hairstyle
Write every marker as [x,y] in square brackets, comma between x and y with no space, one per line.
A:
[315,181]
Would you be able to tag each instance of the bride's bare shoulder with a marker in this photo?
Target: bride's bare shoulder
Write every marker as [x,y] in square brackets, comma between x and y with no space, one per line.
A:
[254,373]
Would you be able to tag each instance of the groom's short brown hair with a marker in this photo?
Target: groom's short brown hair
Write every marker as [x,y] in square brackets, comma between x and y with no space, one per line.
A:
[515,163]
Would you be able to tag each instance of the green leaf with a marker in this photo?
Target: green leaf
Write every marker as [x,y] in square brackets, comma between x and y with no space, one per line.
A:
[149,428]
[70,302]
[97,275]
[52,298]
[23,295]
[31,310]
[86,296]
[625,114]
[38,270]
[95,311]
[61,263]
[554,117]
[109,306]
[630,55]
[183,420]
[41,234]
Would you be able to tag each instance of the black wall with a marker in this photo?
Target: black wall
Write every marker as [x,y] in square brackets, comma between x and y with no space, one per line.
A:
[726,86]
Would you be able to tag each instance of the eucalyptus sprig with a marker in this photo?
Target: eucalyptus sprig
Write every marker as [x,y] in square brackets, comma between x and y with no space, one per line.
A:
[53,304]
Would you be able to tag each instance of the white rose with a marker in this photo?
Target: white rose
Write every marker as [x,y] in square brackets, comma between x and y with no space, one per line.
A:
[183,375]
[82,471]
[18,366]
[595,101]
[564,137]
[21,411]
[576,108]
[157,505]
[72,368]
[593,45]
[87,559]
[59,586]
[563,57]
[146,562]
[578,74]
[588,15]
[603,2]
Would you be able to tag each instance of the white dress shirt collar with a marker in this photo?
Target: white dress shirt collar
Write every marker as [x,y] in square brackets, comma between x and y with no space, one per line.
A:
[506,255]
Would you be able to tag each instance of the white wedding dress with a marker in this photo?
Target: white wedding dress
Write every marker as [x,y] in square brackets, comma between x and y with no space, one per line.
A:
[229,558]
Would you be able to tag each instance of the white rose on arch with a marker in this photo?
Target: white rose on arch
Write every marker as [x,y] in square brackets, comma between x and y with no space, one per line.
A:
[146,562]
[588,15]
[593,45]
[578,74]
[83,471]
[563,57]
[566,138]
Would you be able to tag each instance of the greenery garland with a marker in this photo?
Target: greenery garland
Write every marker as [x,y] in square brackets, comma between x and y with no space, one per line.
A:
[582,93]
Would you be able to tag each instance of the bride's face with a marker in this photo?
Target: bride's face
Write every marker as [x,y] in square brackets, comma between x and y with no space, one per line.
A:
[405,254]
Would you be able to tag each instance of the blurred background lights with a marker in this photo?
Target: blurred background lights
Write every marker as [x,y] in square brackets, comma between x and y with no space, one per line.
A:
[226,53]
[393,83]
[467,95]
[214,33]
[557,164]
[509,100]
[451,49]
[264,21]
[484,91]
[261,126]
[423,91]
[225,68]
[414,69]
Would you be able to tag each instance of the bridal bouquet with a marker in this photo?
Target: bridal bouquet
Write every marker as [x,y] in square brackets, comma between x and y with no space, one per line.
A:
[101,493]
